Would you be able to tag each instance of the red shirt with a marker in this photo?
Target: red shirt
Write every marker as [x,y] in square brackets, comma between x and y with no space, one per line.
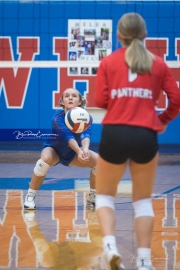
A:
[131,99]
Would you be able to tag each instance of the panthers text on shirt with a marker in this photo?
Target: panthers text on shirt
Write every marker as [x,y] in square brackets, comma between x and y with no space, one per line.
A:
[131,92]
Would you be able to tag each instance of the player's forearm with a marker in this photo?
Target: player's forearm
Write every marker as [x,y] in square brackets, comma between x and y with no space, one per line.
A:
[85,143]
[74,145]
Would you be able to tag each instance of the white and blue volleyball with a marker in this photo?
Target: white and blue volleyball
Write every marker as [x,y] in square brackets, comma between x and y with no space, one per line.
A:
[77,119]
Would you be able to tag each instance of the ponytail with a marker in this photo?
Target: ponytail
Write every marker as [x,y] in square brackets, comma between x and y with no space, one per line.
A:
[138,58]
[132,30]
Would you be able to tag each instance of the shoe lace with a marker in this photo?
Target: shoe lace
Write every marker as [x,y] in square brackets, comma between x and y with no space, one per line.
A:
[30,198]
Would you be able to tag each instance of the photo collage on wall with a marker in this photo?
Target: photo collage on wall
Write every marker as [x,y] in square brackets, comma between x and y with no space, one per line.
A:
[88,40]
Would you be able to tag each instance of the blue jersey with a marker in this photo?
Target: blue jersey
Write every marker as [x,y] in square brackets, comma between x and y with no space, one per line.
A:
[61,143]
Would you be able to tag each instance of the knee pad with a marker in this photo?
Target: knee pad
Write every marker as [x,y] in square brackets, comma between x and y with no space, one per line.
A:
[104,201]
[94,170]
[41,168]
[143,208]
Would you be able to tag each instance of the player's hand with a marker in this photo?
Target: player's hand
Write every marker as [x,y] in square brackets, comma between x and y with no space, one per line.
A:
[81,157]
[86,154]
[163,129]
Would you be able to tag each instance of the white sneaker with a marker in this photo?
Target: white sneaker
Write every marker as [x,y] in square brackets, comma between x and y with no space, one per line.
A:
[91,201]
[29,202]
[144,264]
[113,259]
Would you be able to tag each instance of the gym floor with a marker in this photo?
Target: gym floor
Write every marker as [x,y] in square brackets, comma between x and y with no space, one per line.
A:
[63,235]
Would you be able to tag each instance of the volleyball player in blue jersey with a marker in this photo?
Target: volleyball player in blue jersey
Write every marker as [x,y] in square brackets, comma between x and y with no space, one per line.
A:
[69,149]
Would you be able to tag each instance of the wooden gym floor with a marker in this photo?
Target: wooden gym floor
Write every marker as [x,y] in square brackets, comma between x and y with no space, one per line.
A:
[63,235]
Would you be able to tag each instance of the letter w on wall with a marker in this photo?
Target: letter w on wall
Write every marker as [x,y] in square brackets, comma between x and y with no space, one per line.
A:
[14,81]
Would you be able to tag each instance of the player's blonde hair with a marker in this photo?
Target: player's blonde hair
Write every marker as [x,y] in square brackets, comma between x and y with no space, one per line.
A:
[81,99]
[132,29]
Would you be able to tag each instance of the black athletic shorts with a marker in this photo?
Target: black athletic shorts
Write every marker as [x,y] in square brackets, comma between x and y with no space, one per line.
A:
[122,142]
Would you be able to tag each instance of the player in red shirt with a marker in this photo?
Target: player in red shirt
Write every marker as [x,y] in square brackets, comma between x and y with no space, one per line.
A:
[128,85]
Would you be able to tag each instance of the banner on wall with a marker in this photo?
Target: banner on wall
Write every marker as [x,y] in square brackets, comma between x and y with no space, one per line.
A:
[88,40]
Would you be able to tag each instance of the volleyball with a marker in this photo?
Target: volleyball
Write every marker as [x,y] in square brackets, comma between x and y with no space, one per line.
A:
[77,120]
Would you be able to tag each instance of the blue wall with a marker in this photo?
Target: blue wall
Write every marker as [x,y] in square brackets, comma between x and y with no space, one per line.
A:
[49,19]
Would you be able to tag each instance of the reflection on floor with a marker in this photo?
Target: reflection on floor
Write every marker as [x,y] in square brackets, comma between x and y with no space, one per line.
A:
[63,235]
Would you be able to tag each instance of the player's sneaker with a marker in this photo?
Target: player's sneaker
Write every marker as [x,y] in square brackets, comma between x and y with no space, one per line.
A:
[29,202]
[91,201]
[113,259]
[144,264]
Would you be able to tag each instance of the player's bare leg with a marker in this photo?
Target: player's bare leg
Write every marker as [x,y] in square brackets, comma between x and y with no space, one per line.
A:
[48,158]
[91,201]
[143,176]
[90,164]
[107,179]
